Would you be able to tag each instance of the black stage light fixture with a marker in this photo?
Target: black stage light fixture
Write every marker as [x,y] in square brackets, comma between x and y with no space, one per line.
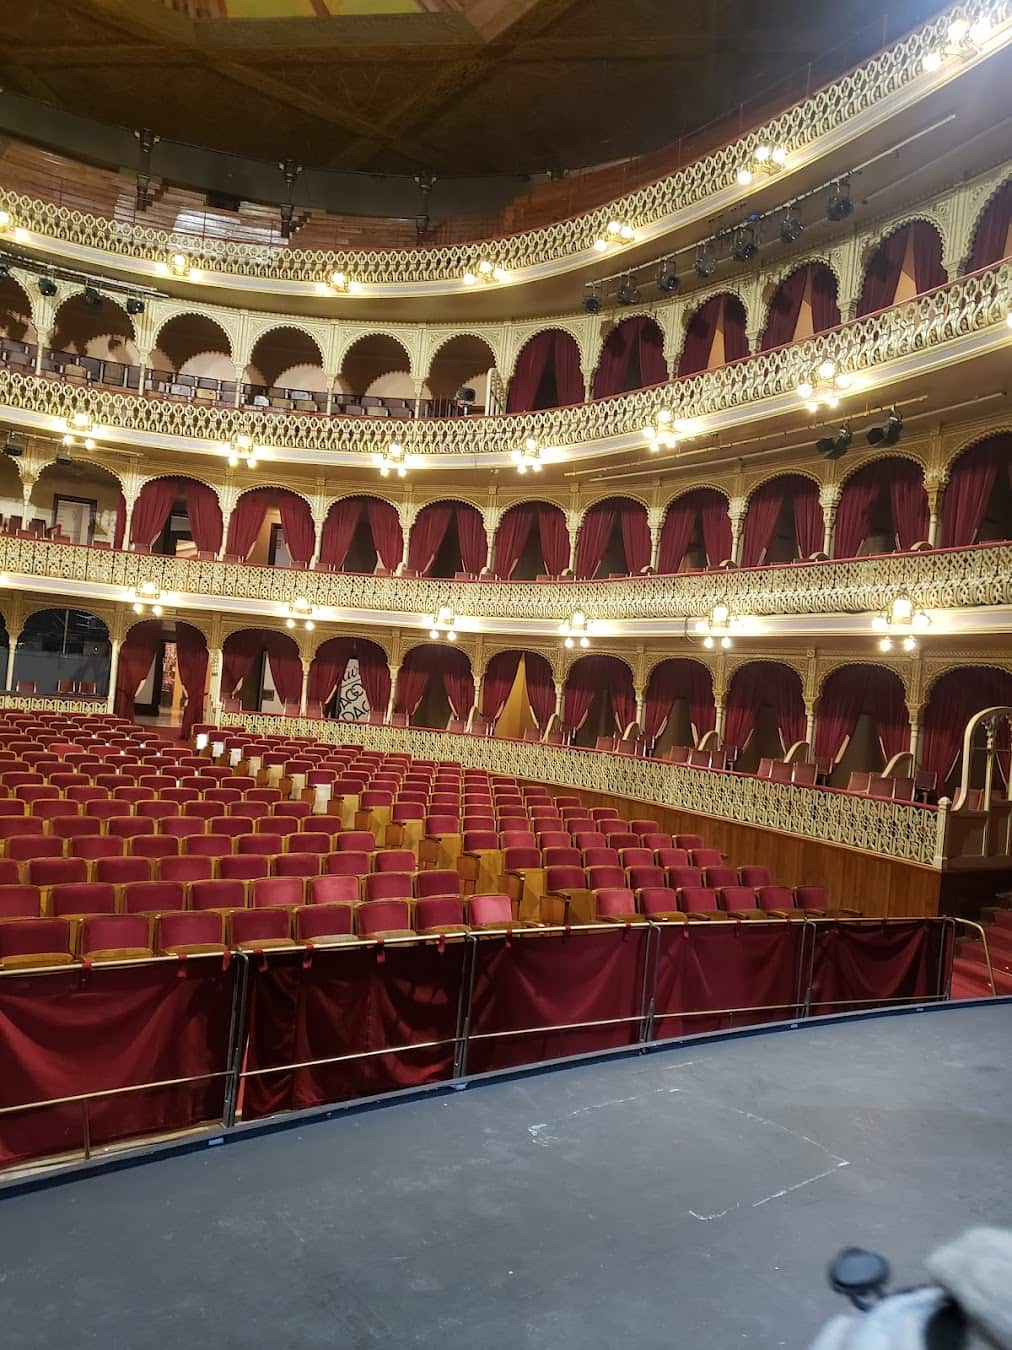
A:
[667,277]
[790,227]
[47,285]
[134,306]
[592,303]
[706,263]
[13,446]
[833,447]
[628,293]
[744,244]
[91,296]
[888,433]
[840,205]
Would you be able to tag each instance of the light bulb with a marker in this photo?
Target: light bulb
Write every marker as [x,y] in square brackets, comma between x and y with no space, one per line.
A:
[879,623]
[627,232]
[600,245]
[451,636]
[310,625]
[337,279]
[720,614]
[665,415]
[530,444]
[701,625]
[805,389]
[402,472]
[157,611]
[614,226]
[827,369]
[843,380]
[89,443]
[958,30]
[902,608]
[384,472]
[178,260]
[779,155]
[921,621]
[762,153]
[981,30]
[469,278]
[725,642]
[499,273]
[909,644]
[885,645]
[708,643]
[521,468]
[243,441]
[5,220]
[744,177]
[289,623]
[485,267]
[433,633]
[932,61]
[568,643]
[584,642]
[137,608]
[535,467]
[812,406]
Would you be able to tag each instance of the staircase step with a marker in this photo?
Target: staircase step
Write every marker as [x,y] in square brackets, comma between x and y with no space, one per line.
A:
[974,974]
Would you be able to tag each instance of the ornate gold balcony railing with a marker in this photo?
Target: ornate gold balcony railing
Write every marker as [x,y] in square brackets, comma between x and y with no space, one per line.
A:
[825,112]
[964,309]
[943,579]
[891,829]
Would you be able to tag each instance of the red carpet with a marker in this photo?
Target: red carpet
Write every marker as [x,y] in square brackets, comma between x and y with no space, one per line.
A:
[969,971]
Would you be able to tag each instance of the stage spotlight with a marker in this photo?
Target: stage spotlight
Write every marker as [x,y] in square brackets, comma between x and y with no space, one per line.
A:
[667,277]
[840,205]
[790,227]
[888,433]
[706,263]
[744,244]
[134,306]
[47,286]
[628,293]
[592,303]
[91,296]
[833,447]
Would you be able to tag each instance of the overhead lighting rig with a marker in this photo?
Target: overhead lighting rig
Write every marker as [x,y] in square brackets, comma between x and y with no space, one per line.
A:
[616,234]
[148,596]
[766,161]
[719,628]
[666,431]
[241,450]
[79,431]
[339,283]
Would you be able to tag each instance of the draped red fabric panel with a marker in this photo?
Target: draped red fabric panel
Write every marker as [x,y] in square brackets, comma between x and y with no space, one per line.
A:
[330,661]
[435,659]
[239,652]
[540,688]
[990,240]
[339,530]
[568,375]
[631,358]
[908,499]
[882,275]
[758,684]
[348,1003]
[512,535]
[953,701]
[554,535]
[151,510]
[66,1034]
[204,514]
[675,679]
[716,527]
[971,483]
[297,523]
[552,349]
[119,529]
[586,677]
[720,311]
[677,531]
[191,658]
[500,674]
[387,536]
[764,509]
[427,535]
[785,308]
[595,532]
[856,690]
[135,657]
[825,306]
[286,667]
[246,522]
[866,963]
[472,537]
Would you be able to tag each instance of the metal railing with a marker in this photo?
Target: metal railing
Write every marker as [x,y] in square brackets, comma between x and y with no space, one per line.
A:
[646,1018]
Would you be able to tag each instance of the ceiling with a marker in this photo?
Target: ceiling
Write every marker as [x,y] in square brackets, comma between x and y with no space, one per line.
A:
[456,87]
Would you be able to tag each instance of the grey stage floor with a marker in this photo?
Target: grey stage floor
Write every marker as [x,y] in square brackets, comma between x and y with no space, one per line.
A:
[689,1198]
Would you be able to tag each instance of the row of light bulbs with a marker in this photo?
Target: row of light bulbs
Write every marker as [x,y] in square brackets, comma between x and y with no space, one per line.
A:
[962,39]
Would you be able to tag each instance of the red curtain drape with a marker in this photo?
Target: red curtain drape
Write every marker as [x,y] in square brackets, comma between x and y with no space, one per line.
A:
[529,372]
[387,536]
[472,537]
[568,375]
[239,652]
[427,535]
[758,684]
[677,531]
[735,326]
[191,659]
[928,269]
[724,311]
[119,529]
[374,672]
[631,358]
[554,535]
[512,535]
[853,512]
[990,239]
[825,305]
[856,690]
[883,272]
[909,502]
[971,483]
[135,657]
[151,510]
[297,523]
[675,679]
[586,677]
[246,521]
[540,688]
[204,514]
[330,662]
[953,701]
[435,659]
[286,668]
[808,521]
[595,532]
[500,674]
[785,307]
[339,530]
[761,518]
[716,527]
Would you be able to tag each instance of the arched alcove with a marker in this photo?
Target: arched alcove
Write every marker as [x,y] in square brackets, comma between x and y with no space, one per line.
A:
[362,534]
[952,700]
[716,333]
[861,721]
[977,505]
[447,538]
[461,363]
[883,508]
[375,379]
[783,521]
[349,679]
[177,517]
[632,357]
[192,358]
[93,341]
[992,238]
[162,673]
[285,372]
[80,502]
[678,708]
[696,532]
[435,686]
[271,526]
[63,649]
[805,303]
[598,699]
[532,540]
[518,693]
[18,338]
[547,373]
[261,671]
[764,712]
[906,263]
[614,539]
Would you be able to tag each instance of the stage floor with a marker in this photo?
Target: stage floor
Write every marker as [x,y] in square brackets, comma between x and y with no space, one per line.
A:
[686,1198]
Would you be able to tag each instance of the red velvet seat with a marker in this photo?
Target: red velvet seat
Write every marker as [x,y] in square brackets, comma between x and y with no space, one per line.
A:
[384,918]
[260,929]
[219,894]
[152,897]
[72,826]
[677,877]
[189,934]
[778,901]
[699,902]
[114,937]
[754,876]
[118,871]
[387,886]
[277,892]
[129,827]
[605,878]
[352,864]
[671,857]
[26,943]
[439,914]
[56,871]
[75,898]
[441,882]
[95,847]
[615,904]
[705,857]
[660,903]
[19,902]
[333,890]
[324,925]
[688,841]
[561,857]
[716,877]
[154,846]
[296,864]
[740,901]
[491,911]
[207,845]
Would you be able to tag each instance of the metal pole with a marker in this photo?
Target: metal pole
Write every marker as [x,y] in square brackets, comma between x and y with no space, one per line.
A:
[236,1044]
[460,1070]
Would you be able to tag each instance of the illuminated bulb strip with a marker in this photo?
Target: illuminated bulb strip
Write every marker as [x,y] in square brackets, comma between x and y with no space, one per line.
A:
[766,159]
[392,460]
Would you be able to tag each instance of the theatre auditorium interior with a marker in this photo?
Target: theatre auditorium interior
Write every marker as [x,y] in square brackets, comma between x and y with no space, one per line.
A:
[505,666]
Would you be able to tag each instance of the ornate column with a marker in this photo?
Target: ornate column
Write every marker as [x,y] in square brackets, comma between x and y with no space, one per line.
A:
[640,693]
[915,735]
[406,513]
[304,697]
[215,662]
[736,508]
[419,387]
[560,689]
[12,638]
[28,481]
[588,383]
[810,723]
[115,644]
[655,522]
[227,497]
[718,725]
[829,497]
[573,525]
[394,672]
[317,509]
[935,487]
